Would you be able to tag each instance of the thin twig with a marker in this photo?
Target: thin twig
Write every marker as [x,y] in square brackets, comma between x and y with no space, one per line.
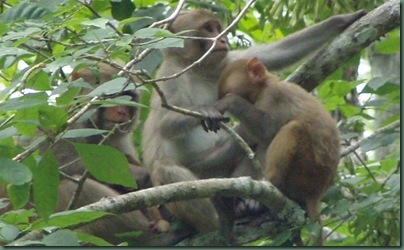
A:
[145,52]
[20,157]
[171,18]
[214,41]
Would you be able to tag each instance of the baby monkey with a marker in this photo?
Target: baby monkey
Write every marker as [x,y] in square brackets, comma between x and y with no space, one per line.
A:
[300,138]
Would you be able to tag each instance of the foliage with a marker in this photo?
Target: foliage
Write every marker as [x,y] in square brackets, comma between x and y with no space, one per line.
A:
[42,42]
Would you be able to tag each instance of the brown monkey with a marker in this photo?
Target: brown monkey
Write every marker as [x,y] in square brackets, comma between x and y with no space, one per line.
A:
[149,221]
[300,136]
[176,147]
[107,118]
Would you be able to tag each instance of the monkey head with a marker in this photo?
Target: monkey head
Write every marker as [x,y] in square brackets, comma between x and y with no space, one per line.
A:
[108,117]
[244,77]
[199,23]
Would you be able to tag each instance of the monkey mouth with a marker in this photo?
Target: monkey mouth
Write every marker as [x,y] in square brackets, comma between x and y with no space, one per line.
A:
[220,50]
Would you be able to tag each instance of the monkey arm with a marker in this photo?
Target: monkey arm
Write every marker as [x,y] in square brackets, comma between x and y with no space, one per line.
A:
[251,118]
[298,45]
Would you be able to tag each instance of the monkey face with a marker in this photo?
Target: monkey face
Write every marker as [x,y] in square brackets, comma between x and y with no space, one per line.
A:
[124,116]
[204,24]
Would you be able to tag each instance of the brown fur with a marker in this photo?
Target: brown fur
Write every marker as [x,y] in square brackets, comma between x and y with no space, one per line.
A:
[301,137]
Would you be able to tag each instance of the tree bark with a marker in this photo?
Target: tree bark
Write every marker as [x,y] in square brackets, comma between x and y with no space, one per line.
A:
[355,38]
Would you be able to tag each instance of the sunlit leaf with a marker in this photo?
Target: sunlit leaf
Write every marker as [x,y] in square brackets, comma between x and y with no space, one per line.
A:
[68,218]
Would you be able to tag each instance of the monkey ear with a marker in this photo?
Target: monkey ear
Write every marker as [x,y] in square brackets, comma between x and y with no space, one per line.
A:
[256,71]
[75,76]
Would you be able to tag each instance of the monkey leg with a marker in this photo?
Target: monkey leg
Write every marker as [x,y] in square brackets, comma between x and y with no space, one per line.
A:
[199,213]
[291,166]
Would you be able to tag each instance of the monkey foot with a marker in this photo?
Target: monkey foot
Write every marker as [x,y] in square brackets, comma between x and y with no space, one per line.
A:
[159,226]
[246,207]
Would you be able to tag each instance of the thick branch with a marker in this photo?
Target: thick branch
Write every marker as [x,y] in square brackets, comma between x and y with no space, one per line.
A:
[355,38]
[286,210]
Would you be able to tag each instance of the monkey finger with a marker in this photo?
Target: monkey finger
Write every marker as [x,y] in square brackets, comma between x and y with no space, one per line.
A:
[214,125]
[204,126]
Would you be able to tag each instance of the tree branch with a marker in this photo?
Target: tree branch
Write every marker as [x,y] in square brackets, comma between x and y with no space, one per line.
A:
[289,213]
[355,38]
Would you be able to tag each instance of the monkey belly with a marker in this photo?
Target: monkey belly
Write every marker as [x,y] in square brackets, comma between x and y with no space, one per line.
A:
[187,149]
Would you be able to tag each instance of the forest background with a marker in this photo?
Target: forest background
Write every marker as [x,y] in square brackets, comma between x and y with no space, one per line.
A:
[43,41]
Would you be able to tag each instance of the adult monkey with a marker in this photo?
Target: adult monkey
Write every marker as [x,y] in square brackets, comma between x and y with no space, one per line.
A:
[176,147]
[123,119]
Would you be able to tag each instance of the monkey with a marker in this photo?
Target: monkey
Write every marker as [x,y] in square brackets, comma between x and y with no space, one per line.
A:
[107,118]
[176,147]
[300,137]
[149,221]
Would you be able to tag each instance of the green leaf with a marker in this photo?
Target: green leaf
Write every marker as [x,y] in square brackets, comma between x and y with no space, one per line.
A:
[112,87]
[166,43]
[18,217]
[19,194]
[68,218]
[376,82]
[68,96]
[153,33]
[390,45]
[98,22]
[23,102]
[106,164]
[24,10]
[98,34]
[85,132]
[122,9]
[349,110]
[52,117]
[46,184]
[8,232]
[17,52]
[61,238]
[379,140]
[60,63]
[14,172]
[26,121]
[92,240]
[133,19]
[121,101]
[280,238]
[342,88]
[39,81]
[8,132]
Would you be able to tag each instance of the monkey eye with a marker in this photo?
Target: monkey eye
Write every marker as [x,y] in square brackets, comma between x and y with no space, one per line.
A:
[208,27]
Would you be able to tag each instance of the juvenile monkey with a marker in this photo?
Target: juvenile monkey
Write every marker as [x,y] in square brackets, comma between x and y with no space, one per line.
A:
[299,135]
[176,148]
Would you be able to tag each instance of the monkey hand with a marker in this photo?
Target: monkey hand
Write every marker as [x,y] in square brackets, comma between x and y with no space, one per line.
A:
[230,102]
[212,119]
[345,20]
[159,226]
